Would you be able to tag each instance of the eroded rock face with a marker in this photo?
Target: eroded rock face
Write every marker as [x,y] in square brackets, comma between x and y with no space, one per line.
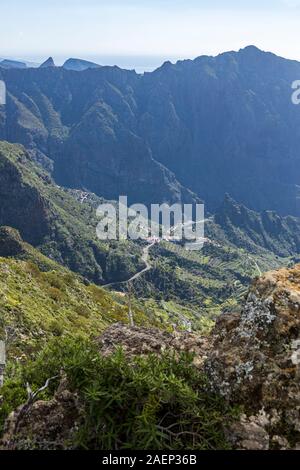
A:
[141,341]
[255,358]
[249,433]
[22,205]
[11,243]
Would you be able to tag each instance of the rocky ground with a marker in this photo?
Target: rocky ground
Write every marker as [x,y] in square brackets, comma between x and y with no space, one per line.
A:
[45,424]
[140,341]
[255,361]
[252,358]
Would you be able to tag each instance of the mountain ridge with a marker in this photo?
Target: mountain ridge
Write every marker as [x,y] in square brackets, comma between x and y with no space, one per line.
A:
[79,64]
[197,119]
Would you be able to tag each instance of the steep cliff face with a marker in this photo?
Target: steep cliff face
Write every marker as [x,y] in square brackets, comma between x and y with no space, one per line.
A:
[11,243]
[249,229]
[22,206]
[227,124]
[54,221]
[255,359]
[219,124]
[86,124]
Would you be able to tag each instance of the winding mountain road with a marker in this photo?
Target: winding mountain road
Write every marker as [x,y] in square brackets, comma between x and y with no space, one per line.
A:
[145,259]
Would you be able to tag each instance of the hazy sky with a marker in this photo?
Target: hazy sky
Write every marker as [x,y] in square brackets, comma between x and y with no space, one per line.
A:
[34,29]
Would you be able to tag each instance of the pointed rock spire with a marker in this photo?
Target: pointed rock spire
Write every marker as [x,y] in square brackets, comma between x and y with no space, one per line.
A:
[48,63]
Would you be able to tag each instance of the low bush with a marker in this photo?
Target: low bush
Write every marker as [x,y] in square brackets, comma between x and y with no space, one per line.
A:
[146,403]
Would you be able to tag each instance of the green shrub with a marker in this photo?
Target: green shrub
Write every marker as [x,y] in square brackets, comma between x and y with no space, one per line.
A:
[56,328]
[82,310]
[12,394]
[55,294]
[146,403]
[55,280]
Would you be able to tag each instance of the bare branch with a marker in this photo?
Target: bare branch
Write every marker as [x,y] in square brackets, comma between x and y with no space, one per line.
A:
[30,401]
[40,390]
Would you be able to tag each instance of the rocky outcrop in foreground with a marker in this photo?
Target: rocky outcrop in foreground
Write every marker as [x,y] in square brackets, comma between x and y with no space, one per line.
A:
[252,359]
[255,361]
[47,425]
[137,341]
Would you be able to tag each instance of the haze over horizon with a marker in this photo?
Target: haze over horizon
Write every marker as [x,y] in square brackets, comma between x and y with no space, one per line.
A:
[142,34]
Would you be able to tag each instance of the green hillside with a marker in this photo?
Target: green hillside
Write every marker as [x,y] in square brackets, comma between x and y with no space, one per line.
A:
[57,221]
[37,304]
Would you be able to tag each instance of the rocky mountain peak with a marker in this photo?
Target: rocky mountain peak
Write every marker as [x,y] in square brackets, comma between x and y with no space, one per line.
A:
[79,64]
[251,49]
[48,63]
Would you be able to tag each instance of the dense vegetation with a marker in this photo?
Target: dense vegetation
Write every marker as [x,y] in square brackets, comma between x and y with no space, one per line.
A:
[148,403]
[61,223]
[199,285]
[36,305]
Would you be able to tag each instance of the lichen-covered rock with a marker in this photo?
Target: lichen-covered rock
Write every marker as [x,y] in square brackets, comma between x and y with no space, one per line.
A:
[140,341]
[255,358]
[249,433]
[46,425]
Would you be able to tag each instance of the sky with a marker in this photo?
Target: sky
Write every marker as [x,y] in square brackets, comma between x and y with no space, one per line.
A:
[142,33]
